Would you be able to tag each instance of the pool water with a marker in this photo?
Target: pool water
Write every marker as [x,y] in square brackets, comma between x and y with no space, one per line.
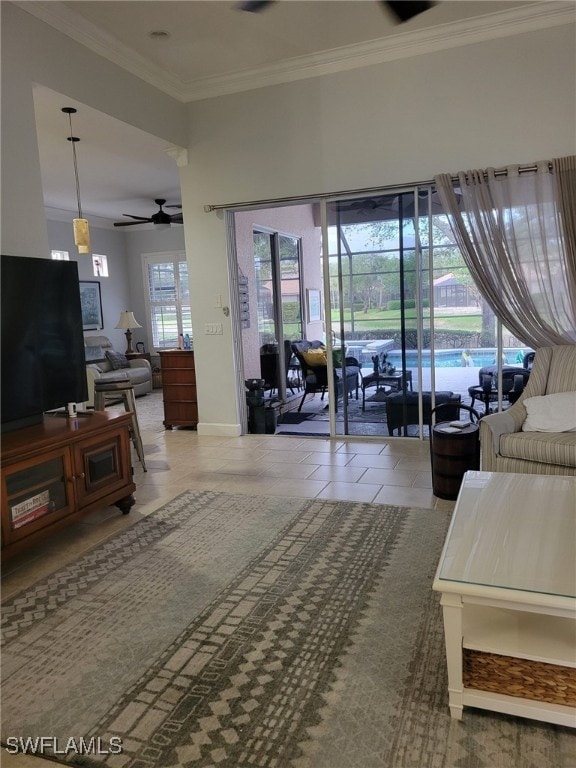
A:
[452,358]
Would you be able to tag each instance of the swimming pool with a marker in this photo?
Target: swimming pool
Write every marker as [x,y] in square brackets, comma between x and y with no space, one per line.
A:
[452,358]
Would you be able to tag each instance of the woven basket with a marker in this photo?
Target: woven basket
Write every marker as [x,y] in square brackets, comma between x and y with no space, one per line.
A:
[157,379]
[519,677]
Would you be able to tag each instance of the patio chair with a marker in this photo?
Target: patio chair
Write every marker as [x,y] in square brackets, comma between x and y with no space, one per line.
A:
[514,380]
[269,366]
[402,408]
[313,361]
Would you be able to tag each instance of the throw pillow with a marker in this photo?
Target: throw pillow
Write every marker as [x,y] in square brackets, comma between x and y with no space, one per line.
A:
[315,357]
[551,413]
[117,360]
[337,358]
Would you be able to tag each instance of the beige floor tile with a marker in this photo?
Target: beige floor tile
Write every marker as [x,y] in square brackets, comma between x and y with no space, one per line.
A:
[410,446]
[366,460]
[423,480]
[355,447]
[232,467]
[323,445]
[289,471]
[444,505]
[388,477]
[241,454]
[349,492]
[294,456]
[414,464]
[407,497]
[338,474]
[308,489]
[329,459]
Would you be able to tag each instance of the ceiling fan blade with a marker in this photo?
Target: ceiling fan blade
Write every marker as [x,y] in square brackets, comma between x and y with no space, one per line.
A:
[172,206]
[177,218]
[131,223]
[406,9]
[253,6]
[139,218]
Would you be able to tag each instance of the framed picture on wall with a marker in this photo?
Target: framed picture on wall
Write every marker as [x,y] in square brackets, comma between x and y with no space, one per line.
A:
[91,303]
[314,305]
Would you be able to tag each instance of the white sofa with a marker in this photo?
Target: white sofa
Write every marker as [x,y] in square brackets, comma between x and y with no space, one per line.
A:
[99,367]
[505,447]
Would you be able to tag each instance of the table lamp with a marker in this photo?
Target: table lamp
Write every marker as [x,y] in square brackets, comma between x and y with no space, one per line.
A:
[126,322]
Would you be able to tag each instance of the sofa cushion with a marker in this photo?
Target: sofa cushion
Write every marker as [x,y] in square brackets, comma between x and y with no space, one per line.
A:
[551,413]
[117,360]
[562,372]
[543,447]
[94,354]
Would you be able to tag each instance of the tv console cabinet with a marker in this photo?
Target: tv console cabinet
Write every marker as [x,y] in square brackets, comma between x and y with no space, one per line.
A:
[55,472]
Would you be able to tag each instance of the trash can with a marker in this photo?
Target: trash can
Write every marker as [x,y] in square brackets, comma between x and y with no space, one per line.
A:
[453,451]
[255,403]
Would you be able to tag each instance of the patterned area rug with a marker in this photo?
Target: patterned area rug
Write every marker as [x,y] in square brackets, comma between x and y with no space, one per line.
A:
[227,630]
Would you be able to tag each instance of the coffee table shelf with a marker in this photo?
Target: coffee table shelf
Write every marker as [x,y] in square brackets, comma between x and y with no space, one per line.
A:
[506,576]
[521,634]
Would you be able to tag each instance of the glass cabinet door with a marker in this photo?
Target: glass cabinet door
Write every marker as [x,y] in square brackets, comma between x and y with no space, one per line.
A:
[35,491]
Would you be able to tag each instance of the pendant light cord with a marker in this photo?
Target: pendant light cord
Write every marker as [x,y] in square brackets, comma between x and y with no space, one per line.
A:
[73,139]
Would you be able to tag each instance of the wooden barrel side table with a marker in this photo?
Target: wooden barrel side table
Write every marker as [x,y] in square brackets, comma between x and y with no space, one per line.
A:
[453,452]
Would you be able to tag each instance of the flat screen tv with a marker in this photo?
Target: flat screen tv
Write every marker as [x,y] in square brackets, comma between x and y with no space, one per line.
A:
[42,352]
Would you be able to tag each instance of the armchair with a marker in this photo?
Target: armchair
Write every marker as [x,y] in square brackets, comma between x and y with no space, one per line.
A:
[505,447]
[99,353]
[313,362]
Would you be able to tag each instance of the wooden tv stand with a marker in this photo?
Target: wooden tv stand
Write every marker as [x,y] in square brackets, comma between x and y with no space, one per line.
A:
[55,472]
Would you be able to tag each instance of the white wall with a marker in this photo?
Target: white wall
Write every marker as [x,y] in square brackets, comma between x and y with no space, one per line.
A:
[511,100]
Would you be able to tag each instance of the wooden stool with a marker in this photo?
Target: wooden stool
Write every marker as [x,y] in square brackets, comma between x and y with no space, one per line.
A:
[120,387]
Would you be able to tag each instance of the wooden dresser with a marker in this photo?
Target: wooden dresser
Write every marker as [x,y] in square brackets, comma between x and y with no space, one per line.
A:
[179,388]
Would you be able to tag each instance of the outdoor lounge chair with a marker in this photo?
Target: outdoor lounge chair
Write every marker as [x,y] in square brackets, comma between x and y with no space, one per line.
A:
[312,358]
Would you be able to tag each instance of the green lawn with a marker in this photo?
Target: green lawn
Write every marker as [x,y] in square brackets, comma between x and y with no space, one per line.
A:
[391,319]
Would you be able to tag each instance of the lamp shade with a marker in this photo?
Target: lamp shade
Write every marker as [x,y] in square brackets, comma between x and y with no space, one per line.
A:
[127,321]
[81,235]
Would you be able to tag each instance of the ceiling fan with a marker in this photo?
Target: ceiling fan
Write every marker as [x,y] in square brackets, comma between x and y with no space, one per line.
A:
[160,217]
[403,10]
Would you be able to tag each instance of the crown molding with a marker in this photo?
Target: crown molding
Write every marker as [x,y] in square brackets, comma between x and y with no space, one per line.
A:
[75,26]
[398,45]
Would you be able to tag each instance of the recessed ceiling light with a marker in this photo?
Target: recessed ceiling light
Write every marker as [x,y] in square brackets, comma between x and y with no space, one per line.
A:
[159,34]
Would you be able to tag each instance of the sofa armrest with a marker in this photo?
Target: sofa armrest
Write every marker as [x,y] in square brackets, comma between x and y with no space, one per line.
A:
[492,428]
[140,362]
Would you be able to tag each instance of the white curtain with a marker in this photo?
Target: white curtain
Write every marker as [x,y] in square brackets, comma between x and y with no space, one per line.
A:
[516,233]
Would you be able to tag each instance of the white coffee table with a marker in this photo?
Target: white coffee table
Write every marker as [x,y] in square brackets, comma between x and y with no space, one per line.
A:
[507,575]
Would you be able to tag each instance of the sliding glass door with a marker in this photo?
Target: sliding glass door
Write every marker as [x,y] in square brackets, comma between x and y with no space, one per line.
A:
[376,298]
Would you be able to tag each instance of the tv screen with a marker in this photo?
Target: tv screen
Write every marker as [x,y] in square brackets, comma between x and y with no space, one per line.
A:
[42,352]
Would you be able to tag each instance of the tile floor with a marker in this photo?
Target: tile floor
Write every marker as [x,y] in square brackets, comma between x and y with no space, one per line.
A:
[382,471]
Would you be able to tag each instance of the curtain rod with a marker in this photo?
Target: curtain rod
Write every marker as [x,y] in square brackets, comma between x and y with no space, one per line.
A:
[363,191]
[313,198]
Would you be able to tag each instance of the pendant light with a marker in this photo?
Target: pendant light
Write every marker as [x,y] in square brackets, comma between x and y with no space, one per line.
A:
[81,230]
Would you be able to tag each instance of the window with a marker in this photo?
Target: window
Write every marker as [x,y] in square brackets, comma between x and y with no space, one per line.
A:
[100,265]
[168,298]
